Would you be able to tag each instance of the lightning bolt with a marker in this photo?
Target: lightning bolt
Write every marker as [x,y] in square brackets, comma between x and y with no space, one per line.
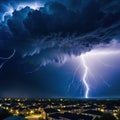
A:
[85,75]
[6,58]
[94,53]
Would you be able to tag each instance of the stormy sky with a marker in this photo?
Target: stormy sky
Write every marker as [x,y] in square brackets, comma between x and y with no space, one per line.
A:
[45,35]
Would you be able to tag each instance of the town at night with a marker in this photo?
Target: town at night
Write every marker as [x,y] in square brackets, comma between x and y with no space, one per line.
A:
[60,109]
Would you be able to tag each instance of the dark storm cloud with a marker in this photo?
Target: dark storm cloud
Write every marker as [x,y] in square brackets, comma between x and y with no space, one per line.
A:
[61,28]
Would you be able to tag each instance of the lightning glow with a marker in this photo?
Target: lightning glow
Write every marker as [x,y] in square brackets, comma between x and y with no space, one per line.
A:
[8,12]
[34,6]
[95,54]
[10,9]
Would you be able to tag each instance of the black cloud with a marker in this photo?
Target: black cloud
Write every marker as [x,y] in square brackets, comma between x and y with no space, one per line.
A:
[61,28]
